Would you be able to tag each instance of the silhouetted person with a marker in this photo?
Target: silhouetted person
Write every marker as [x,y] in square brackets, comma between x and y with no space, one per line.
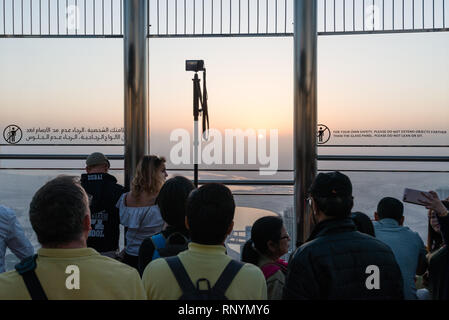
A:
[269,242]
[172,203]
[320,134]
[407,245]
[209,218]
[105,192]
[138,210]
[11,138]
[64,268]
[337,262]
[363,223]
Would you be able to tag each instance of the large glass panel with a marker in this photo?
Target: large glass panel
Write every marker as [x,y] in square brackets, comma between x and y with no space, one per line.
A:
[377,95]
[59,95]
[385,90]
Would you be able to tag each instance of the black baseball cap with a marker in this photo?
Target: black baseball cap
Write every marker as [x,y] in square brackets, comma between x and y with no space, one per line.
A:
[331,185]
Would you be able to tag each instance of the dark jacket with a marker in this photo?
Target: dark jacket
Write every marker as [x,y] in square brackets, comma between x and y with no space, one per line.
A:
[439,265]
[438,274]
[333,263]
[444,228]
[105,191]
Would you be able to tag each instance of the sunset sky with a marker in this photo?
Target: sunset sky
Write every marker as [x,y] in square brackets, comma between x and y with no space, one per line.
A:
[364,81]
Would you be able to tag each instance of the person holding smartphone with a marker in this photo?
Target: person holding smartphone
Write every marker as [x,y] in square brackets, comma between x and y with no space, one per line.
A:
[438,280]
[434,203]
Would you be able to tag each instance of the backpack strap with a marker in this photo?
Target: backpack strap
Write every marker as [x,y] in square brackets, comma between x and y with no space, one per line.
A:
[158,243]
[227,276]
[180,274]
[26,269]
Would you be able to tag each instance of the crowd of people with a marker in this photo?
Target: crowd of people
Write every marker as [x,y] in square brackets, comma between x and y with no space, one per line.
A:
[175,244]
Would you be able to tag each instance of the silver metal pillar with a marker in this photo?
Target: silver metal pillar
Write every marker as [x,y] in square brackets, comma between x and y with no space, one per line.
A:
[305,109]
[136,84]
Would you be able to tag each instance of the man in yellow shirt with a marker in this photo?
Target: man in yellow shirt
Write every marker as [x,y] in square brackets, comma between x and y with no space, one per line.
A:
[209,218]
[64,267]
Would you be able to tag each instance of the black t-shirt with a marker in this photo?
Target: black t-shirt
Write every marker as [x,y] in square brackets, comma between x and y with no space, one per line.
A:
[105,191]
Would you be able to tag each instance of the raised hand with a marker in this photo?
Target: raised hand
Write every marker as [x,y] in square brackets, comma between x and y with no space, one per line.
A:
[434,203]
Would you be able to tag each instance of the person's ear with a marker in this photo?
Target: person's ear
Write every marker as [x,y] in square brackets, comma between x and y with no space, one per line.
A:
[87,223]
[272,247]
[313,207]
[376,216]
[230,228]
[186,223]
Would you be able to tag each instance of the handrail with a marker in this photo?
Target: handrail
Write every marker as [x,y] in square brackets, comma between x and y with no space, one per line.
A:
[319,157]
[319,146]
[385,158]
[237,170]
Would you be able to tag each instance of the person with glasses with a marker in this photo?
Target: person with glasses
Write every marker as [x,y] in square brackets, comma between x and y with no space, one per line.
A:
[269,242]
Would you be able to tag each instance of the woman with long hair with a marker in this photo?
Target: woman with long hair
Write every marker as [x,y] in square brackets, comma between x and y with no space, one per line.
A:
[138,210]
[269,242]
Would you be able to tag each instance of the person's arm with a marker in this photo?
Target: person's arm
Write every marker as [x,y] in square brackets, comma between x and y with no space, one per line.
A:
[422,259]
[444,227]
[17,242]
[435,204]
[146,252]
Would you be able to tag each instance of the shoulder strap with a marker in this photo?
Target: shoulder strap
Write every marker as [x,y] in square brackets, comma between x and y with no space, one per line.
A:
[26,269]
[227,276]
[180,274]
[158,243]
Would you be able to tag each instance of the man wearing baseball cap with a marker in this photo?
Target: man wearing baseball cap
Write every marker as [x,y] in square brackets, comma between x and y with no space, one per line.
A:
[337,261]
[105,192]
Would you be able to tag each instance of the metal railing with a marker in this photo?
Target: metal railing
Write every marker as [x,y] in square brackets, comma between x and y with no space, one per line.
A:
[222,18]
[245,182]
[61,18]
[319,157]
[169,18]
[236,182]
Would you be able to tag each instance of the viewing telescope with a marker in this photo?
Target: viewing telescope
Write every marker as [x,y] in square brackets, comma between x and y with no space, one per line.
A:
[198,98]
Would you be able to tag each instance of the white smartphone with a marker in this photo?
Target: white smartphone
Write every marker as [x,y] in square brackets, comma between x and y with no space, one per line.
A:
[414,196]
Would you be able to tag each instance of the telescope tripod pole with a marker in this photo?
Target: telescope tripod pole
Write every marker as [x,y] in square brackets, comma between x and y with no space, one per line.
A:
[196,112]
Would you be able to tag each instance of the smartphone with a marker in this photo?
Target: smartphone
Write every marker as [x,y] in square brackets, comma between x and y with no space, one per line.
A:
[413,196]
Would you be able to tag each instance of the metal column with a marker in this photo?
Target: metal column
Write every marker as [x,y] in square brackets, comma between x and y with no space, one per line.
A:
[136,84]
[305,109]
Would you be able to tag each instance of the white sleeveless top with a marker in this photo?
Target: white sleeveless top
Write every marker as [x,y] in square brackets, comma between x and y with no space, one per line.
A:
[142,222]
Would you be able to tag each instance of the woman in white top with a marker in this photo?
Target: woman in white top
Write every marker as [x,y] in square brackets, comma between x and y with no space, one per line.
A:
[137,208]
